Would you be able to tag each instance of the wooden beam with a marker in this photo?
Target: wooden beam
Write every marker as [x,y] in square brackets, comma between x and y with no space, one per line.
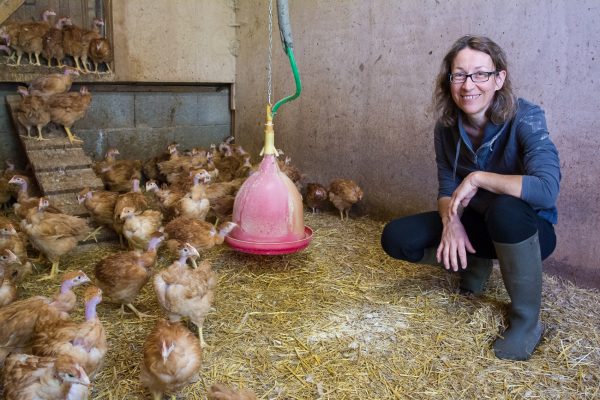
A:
[7,7]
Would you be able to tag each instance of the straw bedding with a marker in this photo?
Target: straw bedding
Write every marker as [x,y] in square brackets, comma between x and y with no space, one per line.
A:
[341,320]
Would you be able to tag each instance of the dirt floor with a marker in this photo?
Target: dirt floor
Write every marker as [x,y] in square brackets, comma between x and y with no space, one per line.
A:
[341,320]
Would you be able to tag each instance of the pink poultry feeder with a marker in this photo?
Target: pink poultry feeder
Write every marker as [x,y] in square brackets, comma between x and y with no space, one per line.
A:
[268,209]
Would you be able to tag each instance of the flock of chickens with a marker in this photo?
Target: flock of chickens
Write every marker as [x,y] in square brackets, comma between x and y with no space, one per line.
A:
[59,41]
[185,209]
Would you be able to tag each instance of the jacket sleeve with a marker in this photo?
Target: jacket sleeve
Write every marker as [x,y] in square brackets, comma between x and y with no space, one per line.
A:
[446,182]
[541,165]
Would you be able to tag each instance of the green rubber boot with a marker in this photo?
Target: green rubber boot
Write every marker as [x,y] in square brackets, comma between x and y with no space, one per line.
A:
[474,278]
[521,266]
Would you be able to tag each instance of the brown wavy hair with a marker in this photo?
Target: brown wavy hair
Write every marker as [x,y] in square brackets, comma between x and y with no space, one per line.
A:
[503,106]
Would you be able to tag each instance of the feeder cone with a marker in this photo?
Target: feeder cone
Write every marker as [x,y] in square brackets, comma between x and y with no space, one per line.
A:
[268,207]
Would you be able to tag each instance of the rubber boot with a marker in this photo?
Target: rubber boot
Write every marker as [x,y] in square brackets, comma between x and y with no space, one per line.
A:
[521,266]
[474,278]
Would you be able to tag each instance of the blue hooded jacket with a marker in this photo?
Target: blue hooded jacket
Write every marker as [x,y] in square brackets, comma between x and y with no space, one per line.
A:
[520,146]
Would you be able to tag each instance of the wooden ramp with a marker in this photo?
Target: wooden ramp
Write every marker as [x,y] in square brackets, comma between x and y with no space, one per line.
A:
[61,169]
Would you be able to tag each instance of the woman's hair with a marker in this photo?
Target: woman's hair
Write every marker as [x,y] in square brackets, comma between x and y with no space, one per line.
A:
[503,106]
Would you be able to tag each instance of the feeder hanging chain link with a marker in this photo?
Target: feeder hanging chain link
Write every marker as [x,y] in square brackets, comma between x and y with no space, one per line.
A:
[270,66]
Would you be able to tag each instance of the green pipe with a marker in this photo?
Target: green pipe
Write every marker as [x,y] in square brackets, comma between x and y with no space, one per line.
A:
[290,53]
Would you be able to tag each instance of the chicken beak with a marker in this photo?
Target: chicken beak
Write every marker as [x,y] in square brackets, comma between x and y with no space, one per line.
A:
[12,257]
[84,379]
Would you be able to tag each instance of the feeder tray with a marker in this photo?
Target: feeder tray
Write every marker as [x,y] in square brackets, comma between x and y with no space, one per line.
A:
[271,248]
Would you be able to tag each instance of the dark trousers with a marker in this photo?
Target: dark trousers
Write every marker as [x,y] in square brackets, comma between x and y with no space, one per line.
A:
[507,220]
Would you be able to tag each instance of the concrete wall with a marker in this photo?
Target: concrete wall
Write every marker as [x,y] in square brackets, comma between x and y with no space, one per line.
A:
[174,41]
[368,70]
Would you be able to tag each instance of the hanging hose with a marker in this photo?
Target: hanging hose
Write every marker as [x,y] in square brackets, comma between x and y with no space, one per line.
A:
[285,31]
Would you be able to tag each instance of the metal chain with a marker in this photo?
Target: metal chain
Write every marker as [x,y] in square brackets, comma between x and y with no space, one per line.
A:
[270,68]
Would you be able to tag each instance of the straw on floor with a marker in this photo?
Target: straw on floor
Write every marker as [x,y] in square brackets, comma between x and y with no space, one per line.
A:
[341,320]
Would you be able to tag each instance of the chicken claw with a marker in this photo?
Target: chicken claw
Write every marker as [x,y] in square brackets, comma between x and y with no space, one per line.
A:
[138,313]
[54,271]
[72,138]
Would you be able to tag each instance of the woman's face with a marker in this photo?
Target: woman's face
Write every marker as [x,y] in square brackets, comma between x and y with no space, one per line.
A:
[475,98]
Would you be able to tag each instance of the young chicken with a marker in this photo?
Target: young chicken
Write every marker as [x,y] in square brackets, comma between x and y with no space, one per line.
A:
[200,234]
[138,226]
[100,51]
[73,43]
[19,319]
[51,84]
[194,203]
[86,39]
[219,391]
[8,289]
[28,377]
[101,206]
[185,292]
[135,199]
[53,43]
[344,193]
[25,203]
[54,234]
[68,108]
[31,37]
[172,358]
[117,175]
[84,341]
[167,199]
[122,275]
[32,111]
[316,196]
[150,166]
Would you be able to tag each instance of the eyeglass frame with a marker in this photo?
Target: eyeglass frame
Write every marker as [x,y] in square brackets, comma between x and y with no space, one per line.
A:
[467,76]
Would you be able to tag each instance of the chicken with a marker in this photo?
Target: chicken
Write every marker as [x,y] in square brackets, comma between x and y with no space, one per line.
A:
[219,391]
[172,358]
[185,292]
[53,42]
[100,51]
[150,166]
[200,234]
[344,193]
[135,199]
[316,196]
[138,226]
[222,208]
[68,108]
[51,84]
[194,204]
[101,206]
[6,193]
[29,38]
[167,199]
[86,39]
[19,319]
[32,111]
[83,341]
[54,234]
[16,242]
[291,171]
[25,203]
[117,174]
[73,43]
[28,377]
[8,289]
[122,275]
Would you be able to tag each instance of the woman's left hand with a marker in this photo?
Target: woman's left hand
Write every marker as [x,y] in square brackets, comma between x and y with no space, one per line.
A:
[463,193]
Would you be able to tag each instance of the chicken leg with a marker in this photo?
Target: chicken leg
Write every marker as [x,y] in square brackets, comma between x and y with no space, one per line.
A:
[40,137]
[54,271]
[138,313]
[72,138]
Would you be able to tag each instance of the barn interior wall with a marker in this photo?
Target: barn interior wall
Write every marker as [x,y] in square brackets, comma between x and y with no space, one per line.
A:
[368,71]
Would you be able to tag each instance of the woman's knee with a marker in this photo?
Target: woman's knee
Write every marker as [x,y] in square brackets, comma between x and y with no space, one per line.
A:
[510,220]
[405,238]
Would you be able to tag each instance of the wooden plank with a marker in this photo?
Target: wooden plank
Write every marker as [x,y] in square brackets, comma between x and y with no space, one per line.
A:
[67,203]
[7,7]
[68,180]
[56,159]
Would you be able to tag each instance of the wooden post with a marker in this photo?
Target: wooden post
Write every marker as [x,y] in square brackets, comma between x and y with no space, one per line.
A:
[7,7]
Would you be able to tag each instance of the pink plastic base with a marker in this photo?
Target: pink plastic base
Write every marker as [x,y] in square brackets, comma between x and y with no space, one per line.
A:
[270,248]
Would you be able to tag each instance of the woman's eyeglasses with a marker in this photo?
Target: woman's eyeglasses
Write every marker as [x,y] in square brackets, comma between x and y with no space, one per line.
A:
[476,77]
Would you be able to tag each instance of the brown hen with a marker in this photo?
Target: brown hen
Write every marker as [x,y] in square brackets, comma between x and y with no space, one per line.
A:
[53,42]
[51,84]
[138,226]
[68,108]
[83,341]
[8,289]
[122,275]
[172,358]
[28,377]
[219,391]
[32,111]
[316,196]
[184,292]
[344,193]
[31,37]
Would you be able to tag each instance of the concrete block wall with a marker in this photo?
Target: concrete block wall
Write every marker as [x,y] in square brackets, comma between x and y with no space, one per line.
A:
[140,124]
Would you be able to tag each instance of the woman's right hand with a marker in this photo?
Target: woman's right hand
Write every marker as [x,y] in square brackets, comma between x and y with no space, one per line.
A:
[454,244]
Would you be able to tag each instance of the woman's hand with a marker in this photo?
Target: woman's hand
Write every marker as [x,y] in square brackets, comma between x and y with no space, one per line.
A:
[463,193]
[454,245]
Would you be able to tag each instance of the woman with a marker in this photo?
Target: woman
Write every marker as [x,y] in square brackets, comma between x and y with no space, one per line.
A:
[498,175]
